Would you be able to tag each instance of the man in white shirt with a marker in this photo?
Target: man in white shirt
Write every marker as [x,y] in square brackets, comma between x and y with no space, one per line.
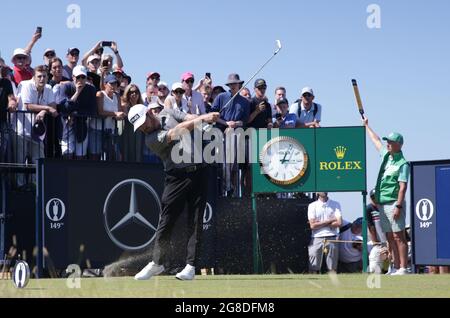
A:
[36,97]
[325,218]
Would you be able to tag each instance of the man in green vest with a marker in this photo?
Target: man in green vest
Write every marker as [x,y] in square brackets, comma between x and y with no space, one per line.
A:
[390,193]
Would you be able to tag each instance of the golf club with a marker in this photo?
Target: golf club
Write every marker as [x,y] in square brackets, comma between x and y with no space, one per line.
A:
[358,98]
[278,43]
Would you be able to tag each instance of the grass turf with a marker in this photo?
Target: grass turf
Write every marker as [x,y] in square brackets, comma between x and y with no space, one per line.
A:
[244,286]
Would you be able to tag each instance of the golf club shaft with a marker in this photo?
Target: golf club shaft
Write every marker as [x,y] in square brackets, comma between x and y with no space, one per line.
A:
[250,79]
[358,98]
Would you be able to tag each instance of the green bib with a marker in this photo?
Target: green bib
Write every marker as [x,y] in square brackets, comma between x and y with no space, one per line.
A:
[387,186]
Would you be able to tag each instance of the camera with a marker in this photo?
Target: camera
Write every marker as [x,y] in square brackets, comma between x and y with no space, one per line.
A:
[278,116]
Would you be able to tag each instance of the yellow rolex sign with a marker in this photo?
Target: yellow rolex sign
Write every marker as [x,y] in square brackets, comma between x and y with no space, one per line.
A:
[340,159]
[340,164]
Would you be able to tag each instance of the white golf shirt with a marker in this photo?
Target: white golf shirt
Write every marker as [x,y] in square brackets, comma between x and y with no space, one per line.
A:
[321,211]
[29,95]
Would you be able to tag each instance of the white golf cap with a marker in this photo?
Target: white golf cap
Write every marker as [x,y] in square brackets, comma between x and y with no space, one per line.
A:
[18,51]
[161,83]
[49,50]
[94,57]
[137,115]
[176,86]
[79,70]
[155,105]
[307,90]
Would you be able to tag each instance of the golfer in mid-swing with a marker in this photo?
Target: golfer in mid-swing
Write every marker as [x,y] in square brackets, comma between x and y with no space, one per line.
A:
[185,183]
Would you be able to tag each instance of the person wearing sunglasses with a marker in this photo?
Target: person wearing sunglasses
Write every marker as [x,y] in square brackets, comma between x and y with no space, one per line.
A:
[131,144]
[151,90]
[103,129]
[22,61]
[21,71]
[163,92]
[193,99]
[260,108]
[176,101]
[73,54]
[308,113]
[48,55]
[80,98]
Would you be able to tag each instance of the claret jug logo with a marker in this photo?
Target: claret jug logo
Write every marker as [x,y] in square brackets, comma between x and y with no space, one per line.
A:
[340,152]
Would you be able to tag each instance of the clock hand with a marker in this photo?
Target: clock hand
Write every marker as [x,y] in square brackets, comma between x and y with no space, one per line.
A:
[286,153]
[290,157]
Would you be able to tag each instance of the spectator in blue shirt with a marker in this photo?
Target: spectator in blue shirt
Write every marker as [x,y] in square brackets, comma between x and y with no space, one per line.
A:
[238,112]
[282,118]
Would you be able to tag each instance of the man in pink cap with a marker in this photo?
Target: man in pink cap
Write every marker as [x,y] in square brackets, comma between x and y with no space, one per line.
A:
[194,100]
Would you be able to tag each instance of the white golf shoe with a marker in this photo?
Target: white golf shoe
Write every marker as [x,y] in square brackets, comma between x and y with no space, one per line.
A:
[188,273]
[400,272]
[148,271]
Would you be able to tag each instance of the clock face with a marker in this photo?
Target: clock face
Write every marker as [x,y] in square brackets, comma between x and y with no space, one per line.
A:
[283,160]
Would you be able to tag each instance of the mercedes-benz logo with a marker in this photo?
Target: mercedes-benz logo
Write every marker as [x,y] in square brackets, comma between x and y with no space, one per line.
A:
[132,216]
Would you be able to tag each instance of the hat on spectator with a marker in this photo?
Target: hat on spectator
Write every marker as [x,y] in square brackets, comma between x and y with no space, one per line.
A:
[128,77]
[307,90]
[282,100]
[118,70]
[176,86]
[48,51]
[110,79]
[372,193]
[234,79]
[152,73]
[94,57]
[260,82]
[394,137]
[187,75]
[219,88]
[72,49]
[163,84]
[155,105]
[79,70]
[358,221]
[18,51]
[38,131]
[137,115]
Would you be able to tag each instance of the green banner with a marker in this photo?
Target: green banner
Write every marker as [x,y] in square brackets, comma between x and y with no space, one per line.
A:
[340,159]
[309,160]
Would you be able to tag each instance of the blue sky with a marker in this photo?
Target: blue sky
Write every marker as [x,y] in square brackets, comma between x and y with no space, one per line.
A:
[402,68]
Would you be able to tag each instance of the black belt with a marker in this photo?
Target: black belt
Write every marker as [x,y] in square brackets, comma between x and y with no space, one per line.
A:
[188,169]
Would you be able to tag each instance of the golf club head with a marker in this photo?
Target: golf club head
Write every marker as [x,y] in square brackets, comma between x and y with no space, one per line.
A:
[278,46]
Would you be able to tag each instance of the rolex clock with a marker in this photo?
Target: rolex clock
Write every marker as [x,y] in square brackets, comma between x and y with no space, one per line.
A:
[283,160]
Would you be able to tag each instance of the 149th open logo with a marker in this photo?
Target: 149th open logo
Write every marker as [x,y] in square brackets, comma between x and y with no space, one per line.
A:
[55,211]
